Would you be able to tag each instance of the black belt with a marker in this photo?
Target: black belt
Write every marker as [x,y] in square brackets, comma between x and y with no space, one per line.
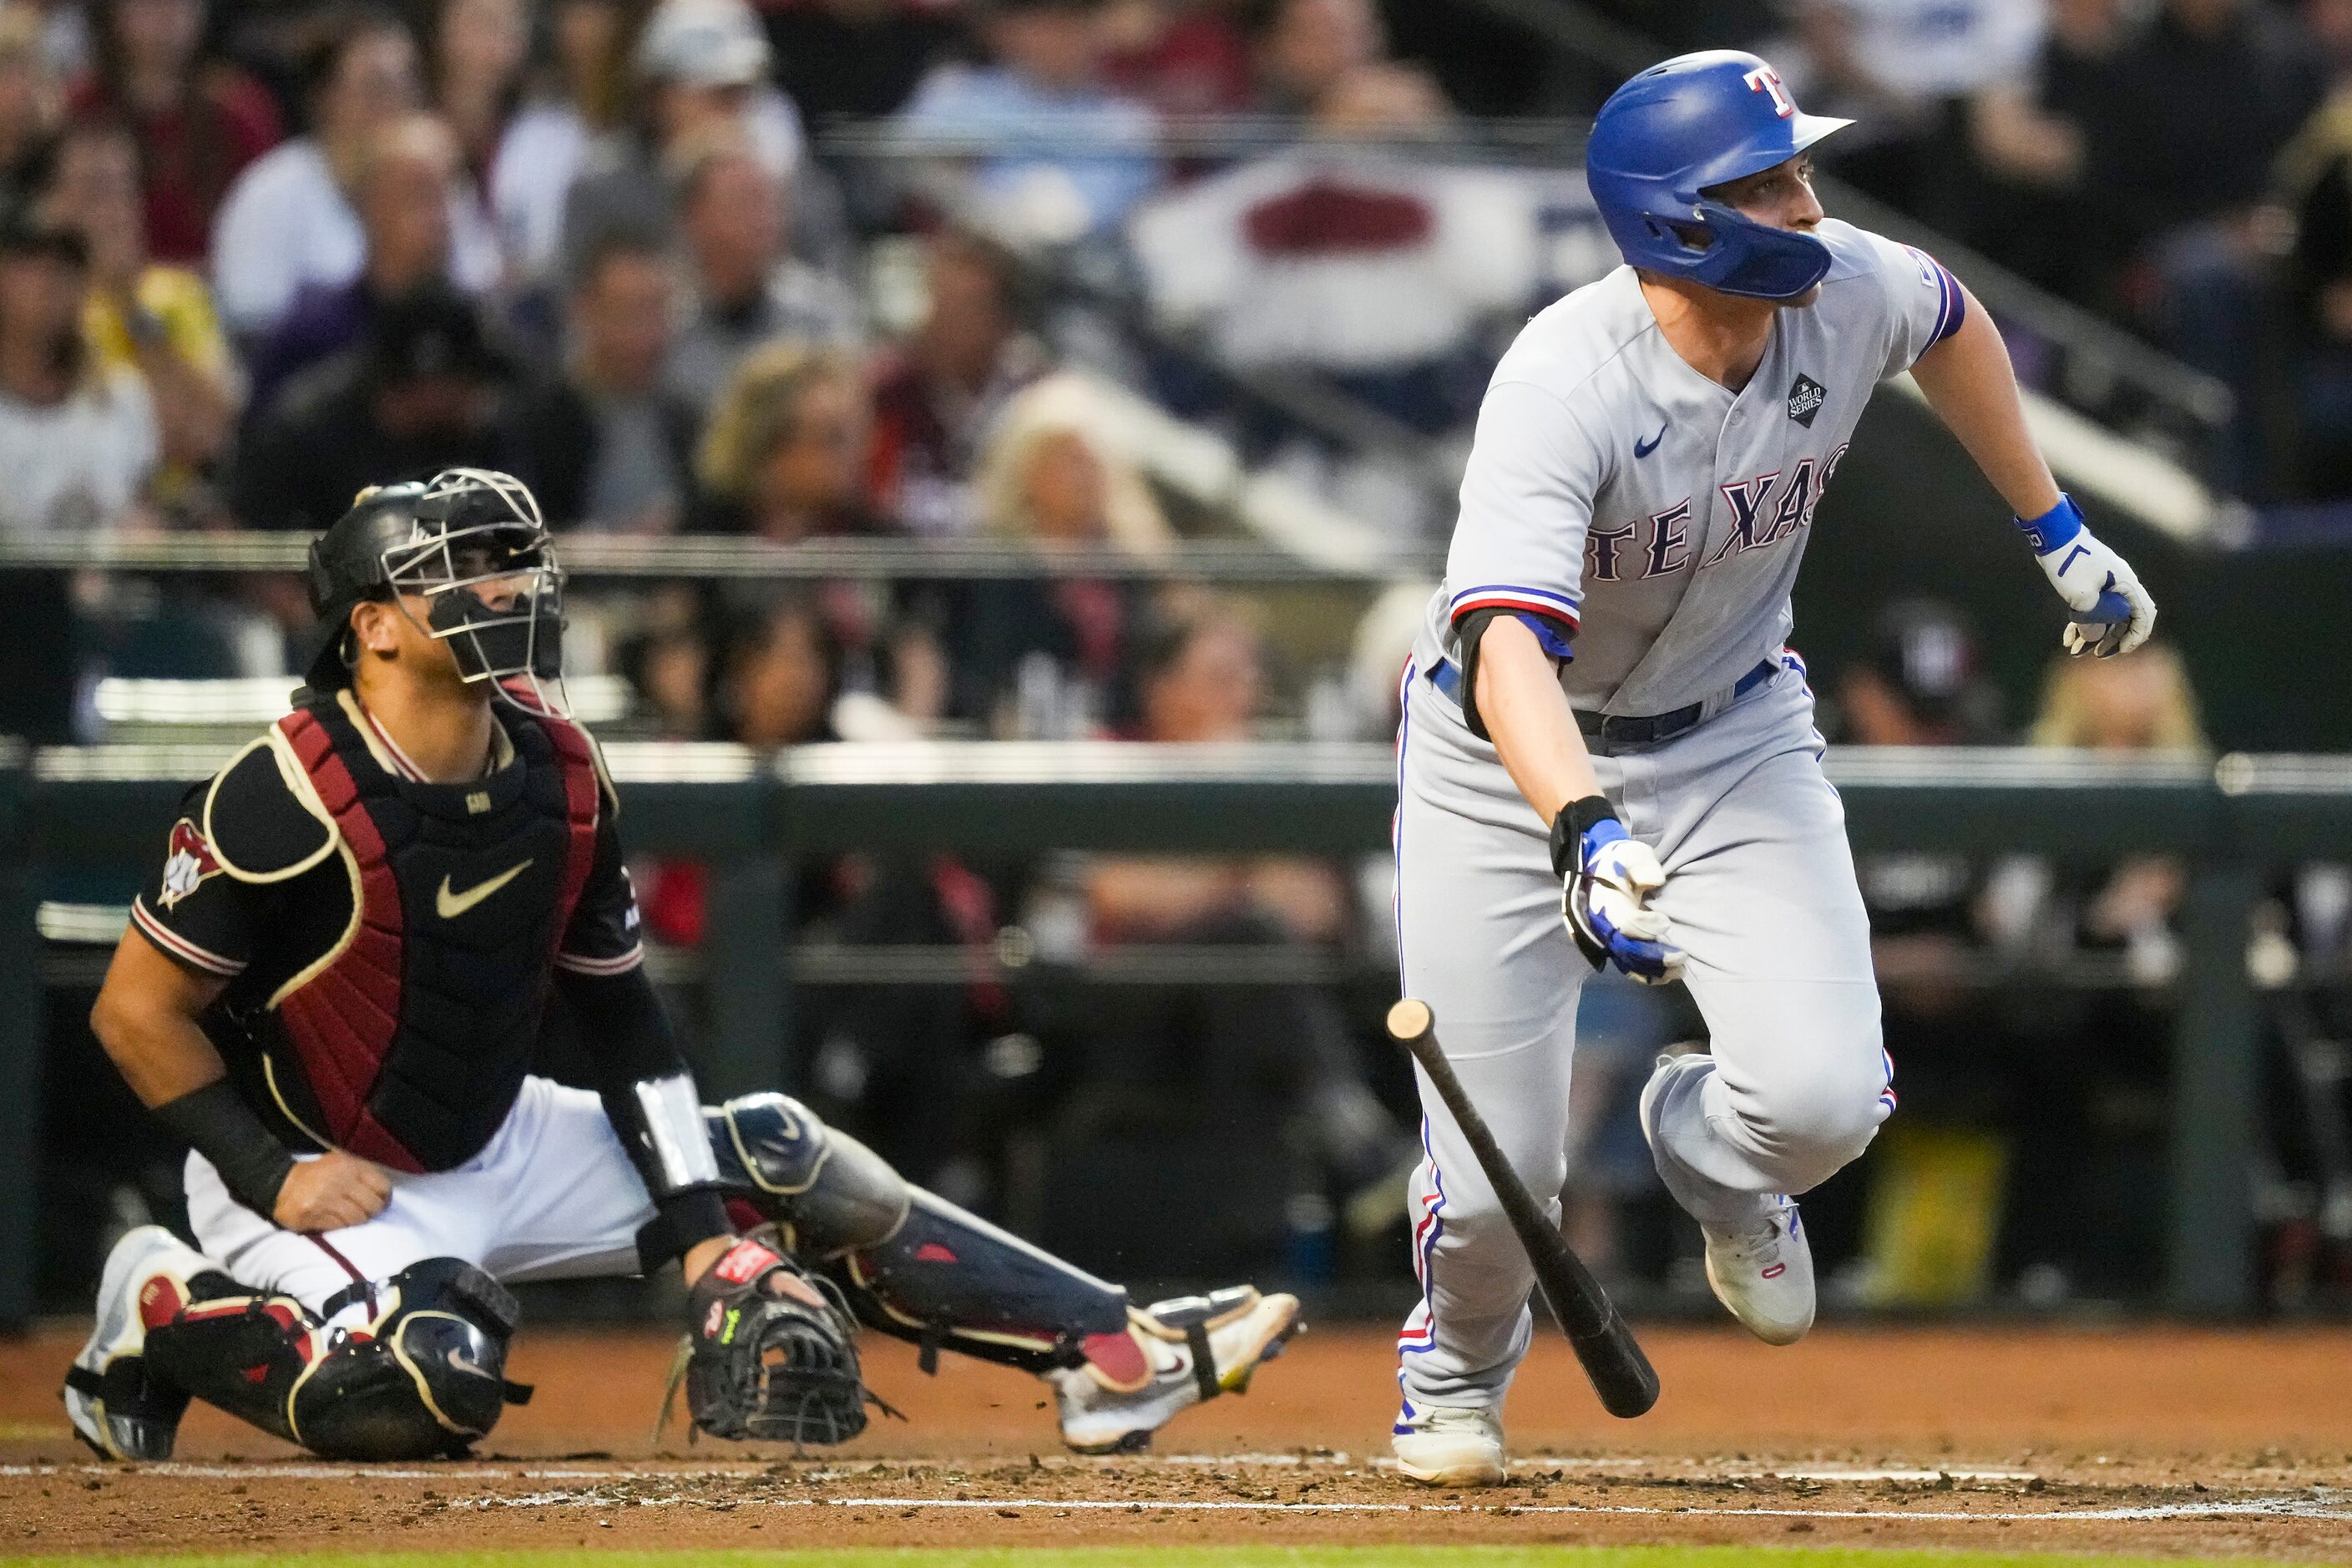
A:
[1623,729]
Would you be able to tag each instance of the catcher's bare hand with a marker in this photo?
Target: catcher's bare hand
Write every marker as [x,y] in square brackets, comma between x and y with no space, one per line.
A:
[331,1192]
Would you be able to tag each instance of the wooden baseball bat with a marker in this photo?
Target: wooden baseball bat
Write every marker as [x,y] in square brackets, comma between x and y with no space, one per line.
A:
[1612,1359]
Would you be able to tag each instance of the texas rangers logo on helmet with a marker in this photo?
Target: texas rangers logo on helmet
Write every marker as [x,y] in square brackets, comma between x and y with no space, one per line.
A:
[191,861]
[1767,80]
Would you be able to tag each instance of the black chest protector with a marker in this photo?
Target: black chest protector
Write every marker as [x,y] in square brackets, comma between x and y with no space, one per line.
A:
[406,1041]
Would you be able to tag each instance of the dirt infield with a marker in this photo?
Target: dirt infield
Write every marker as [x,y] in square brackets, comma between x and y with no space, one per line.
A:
[2144,1441]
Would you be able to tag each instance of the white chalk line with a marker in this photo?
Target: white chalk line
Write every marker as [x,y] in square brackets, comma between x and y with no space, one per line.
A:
[2268,1508]
[297,1470]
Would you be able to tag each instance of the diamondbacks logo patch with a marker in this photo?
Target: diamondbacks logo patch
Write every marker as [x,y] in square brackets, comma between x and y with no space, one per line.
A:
[1805,396]
[189,862]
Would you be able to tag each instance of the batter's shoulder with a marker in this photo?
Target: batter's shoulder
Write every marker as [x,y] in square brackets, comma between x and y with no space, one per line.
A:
[1857,253]
[1578,337]
[261,815]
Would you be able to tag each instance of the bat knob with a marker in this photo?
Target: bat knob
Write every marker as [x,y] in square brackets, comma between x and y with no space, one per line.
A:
[1410,1019]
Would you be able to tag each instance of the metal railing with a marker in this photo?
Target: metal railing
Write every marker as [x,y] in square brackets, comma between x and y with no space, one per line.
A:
[728,556]
[101,809]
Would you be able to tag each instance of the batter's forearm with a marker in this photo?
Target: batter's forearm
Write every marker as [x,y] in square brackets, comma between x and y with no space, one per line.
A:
[1972,387]
[1527,716]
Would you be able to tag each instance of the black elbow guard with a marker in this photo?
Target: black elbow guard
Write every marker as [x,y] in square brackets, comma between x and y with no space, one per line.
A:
[1468,631]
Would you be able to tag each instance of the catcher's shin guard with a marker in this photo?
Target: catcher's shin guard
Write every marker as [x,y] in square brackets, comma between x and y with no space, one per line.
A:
[825,1192]
[909,1262]
[423,1379]
[946,1278]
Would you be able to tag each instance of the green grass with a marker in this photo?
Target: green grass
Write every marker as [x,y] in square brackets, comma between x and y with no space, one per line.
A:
[1160,1557]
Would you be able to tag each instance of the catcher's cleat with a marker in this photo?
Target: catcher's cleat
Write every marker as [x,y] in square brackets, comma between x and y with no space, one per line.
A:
[1173,1355]
[114,1406]
[1448,1446]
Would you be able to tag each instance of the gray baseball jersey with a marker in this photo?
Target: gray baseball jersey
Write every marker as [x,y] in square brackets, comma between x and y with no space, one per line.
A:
[1656,513]
[1617,496]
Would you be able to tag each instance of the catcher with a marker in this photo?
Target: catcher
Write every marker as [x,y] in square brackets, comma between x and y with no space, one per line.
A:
[332,990]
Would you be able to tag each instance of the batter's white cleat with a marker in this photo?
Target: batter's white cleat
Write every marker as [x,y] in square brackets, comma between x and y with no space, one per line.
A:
[1764,1272]
[1174,1354]
[1448,1446]
[112,1406]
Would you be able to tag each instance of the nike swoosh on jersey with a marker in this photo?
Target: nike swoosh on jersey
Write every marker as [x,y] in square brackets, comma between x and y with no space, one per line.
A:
[449,905]
[1644,448]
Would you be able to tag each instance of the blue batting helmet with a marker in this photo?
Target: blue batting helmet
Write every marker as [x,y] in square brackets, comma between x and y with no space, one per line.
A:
[1674,132]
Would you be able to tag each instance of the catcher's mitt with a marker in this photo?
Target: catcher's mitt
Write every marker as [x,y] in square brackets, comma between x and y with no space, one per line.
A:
[771,1355]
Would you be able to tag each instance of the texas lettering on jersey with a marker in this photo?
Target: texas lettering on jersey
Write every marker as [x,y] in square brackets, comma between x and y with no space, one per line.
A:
[1764,511]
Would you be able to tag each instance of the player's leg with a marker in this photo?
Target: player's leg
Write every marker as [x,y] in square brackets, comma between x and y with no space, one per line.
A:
[410,1367]
[907,1261]
[916,1266]
[1479,939]
[1761,895]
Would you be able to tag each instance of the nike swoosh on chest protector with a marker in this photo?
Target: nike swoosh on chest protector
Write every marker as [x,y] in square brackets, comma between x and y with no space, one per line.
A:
[449,905]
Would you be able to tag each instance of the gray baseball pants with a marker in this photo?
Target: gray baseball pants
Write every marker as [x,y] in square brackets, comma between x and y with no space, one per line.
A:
[1760,893]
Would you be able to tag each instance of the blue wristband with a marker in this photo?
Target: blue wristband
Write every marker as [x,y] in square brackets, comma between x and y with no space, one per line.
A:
[2054,528]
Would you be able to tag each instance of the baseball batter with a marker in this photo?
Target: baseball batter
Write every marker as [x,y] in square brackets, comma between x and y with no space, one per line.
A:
[1602,721]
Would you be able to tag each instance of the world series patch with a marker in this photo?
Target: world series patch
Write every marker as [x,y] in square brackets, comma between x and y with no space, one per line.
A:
[1805,396]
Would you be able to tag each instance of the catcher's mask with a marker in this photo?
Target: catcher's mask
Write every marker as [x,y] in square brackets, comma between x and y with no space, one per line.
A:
[471,544]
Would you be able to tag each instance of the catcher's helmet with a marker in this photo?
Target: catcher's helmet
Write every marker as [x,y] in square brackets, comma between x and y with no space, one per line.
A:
[443,539]
[1680,129]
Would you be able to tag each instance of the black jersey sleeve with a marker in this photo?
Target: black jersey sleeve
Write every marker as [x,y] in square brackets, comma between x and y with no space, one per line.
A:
[198,916]
[602,937]
[239,837]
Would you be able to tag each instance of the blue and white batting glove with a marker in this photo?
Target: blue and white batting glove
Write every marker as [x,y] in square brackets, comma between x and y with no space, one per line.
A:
[2113,613]
[1607,877]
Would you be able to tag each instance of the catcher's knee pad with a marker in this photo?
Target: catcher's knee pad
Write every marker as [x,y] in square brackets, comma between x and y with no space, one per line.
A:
[948,1277]
[827,1191]
[425,1378]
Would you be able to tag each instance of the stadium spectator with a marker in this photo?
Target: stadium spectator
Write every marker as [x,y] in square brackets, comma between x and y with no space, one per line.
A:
[2314,187]
[29,104]
[2181,149]
[1186,59]
[1069,156]
[783,456]
[198,121]
[288,221]
[153,319]
[745,289]
[1041,658]
[780,672]
[2029,208]
[420,391]
[935,394]
[404,188]
[1325,62]
[2118,925]
[1232,1059]
[607,445]
[700,77]
[585,99]
[1901,69]
[2142,702]
[475,51]
[77,438]
[857,59]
